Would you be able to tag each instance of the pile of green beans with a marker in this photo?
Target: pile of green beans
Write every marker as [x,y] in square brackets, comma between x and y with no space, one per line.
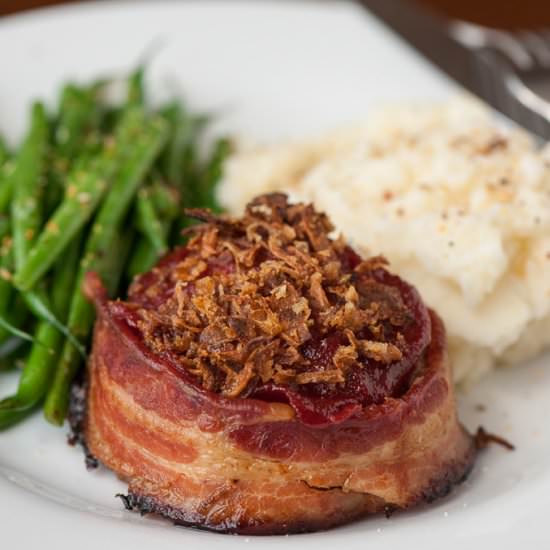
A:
[92,187]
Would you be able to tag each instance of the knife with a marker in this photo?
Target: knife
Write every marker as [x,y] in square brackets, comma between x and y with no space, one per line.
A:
[484,61]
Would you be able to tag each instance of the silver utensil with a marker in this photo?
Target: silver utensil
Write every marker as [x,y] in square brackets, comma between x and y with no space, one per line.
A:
[510,71]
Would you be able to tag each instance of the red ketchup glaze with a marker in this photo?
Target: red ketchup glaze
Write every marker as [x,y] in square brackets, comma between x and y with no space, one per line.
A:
[368,384]
[160,277]
[317,404]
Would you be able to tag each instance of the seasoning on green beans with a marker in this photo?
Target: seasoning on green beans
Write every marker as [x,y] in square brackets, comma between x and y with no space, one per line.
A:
[27,181]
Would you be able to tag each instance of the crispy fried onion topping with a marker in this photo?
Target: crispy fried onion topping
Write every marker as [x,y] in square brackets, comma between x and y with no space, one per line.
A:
[249,293]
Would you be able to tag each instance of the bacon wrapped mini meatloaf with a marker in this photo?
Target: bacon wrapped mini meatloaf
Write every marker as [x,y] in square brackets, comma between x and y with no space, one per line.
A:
[266,379]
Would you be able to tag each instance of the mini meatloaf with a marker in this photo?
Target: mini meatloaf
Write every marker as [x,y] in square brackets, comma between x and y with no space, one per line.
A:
[266,379]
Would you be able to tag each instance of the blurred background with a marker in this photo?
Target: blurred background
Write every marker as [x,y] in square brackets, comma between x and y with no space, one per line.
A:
[511,14]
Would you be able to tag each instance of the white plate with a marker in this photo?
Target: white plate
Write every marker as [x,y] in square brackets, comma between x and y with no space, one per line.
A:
[273,69]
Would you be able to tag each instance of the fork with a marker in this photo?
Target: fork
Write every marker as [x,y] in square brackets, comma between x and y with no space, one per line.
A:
[522,58]
[528,51]
[510,71]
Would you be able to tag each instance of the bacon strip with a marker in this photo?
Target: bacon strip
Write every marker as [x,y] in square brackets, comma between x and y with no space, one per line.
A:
[248,466]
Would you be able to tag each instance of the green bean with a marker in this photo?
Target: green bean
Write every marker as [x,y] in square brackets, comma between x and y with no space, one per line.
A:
[180,134]
[178,165]
[83,194]
[143,258]
[145,255]
[81,318]
[26,180]
[190,199]
[148,222]
[5,283]
[200,182]
[5,226]
[4,153]
[135,97]
[144,146]
[28,185]
[75,132]
[136,88]
[166,199]
[180,153]
[11,417]
[82,197]
[5,168]
[213,174]
[190,164]
[78,116]
[36,374]
[11,322]
[147,140]
[6,289]
[12,309]
[6,184]
[110,118]
[64,278]
[114,264]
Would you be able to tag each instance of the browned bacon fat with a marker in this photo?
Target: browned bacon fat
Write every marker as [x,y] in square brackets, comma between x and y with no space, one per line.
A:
[266,379]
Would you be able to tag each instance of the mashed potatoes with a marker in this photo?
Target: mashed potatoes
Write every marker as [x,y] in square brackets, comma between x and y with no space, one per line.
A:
[460,207]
